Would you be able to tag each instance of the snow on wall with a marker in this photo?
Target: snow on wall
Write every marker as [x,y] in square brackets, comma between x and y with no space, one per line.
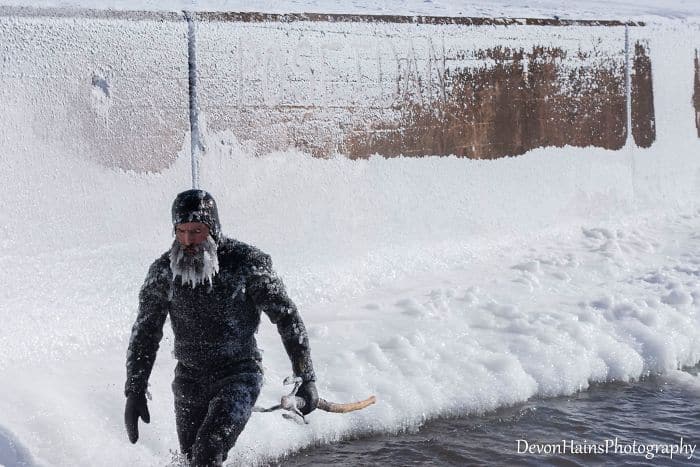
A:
[326,84]
[109,89]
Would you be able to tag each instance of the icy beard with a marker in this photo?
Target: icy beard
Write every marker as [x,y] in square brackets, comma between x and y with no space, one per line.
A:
[195,268]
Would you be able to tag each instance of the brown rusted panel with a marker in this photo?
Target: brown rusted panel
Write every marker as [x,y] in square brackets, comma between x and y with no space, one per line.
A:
[643,121]
[696,92]
[526,100]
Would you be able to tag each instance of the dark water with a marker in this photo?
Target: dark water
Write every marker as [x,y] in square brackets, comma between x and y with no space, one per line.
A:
[650,412]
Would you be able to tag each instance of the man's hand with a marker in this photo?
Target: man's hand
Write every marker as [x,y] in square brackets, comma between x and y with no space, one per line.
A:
[307,391]
[136,407]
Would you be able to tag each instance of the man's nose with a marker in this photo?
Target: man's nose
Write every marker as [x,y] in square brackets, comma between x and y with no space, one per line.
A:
[188,239]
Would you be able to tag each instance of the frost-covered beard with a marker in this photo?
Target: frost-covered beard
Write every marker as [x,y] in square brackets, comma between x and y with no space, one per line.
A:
[195,268]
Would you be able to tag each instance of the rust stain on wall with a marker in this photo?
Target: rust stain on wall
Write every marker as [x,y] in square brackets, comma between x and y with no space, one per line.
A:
[527,99]
[643,121]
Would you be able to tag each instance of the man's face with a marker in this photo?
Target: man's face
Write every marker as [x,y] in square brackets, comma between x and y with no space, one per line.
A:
[190,235]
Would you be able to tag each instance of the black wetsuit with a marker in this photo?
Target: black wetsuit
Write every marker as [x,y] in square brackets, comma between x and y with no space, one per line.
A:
[218,376]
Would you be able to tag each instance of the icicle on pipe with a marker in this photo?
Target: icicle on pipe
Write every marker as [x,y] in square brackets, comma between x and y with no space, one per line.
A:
[195,137]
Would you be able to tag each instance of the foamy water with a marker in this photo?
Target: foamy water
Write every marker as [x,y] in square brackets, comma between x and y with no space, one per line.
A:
[652,421]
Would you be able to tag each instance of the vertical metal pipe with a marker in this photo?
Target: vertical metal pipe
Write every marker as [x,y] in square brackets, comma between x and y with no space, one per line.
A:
[628,86]
[195,136]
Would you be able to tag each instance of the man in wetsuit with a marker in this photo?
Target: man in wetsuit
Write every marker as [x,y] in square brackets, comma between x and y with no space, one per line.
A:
[214,290]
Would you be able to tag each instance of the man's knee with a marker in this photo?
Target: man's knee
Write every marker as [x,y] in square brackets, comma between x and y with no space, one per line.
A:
[211,448]
[228,415]
[191,408]
[205,453]
[188,420]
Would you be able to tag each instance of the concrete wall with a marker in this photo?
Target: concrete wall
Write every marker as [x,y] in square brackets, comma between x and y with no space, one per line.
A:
[479,91]
[112,89]
[112,86]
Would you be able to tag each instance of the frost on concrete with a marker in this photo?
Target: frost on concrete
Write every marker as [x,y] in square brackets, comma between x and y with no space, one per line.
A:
[104,89]
[116,83]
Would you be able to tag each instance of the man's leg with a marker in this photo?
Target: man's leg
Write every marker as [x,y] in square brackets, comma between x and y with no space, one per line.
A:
[191,407]
[228,413]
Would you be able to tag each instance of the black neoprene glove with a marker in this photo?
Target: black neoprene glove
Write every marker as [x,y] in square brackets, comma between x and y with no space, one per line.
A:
[307,391]
[136,406]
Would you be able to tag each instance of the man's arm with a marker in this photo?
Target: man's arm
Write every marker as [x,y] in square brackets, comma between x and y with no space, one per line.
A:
[270,296]
[148,328]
